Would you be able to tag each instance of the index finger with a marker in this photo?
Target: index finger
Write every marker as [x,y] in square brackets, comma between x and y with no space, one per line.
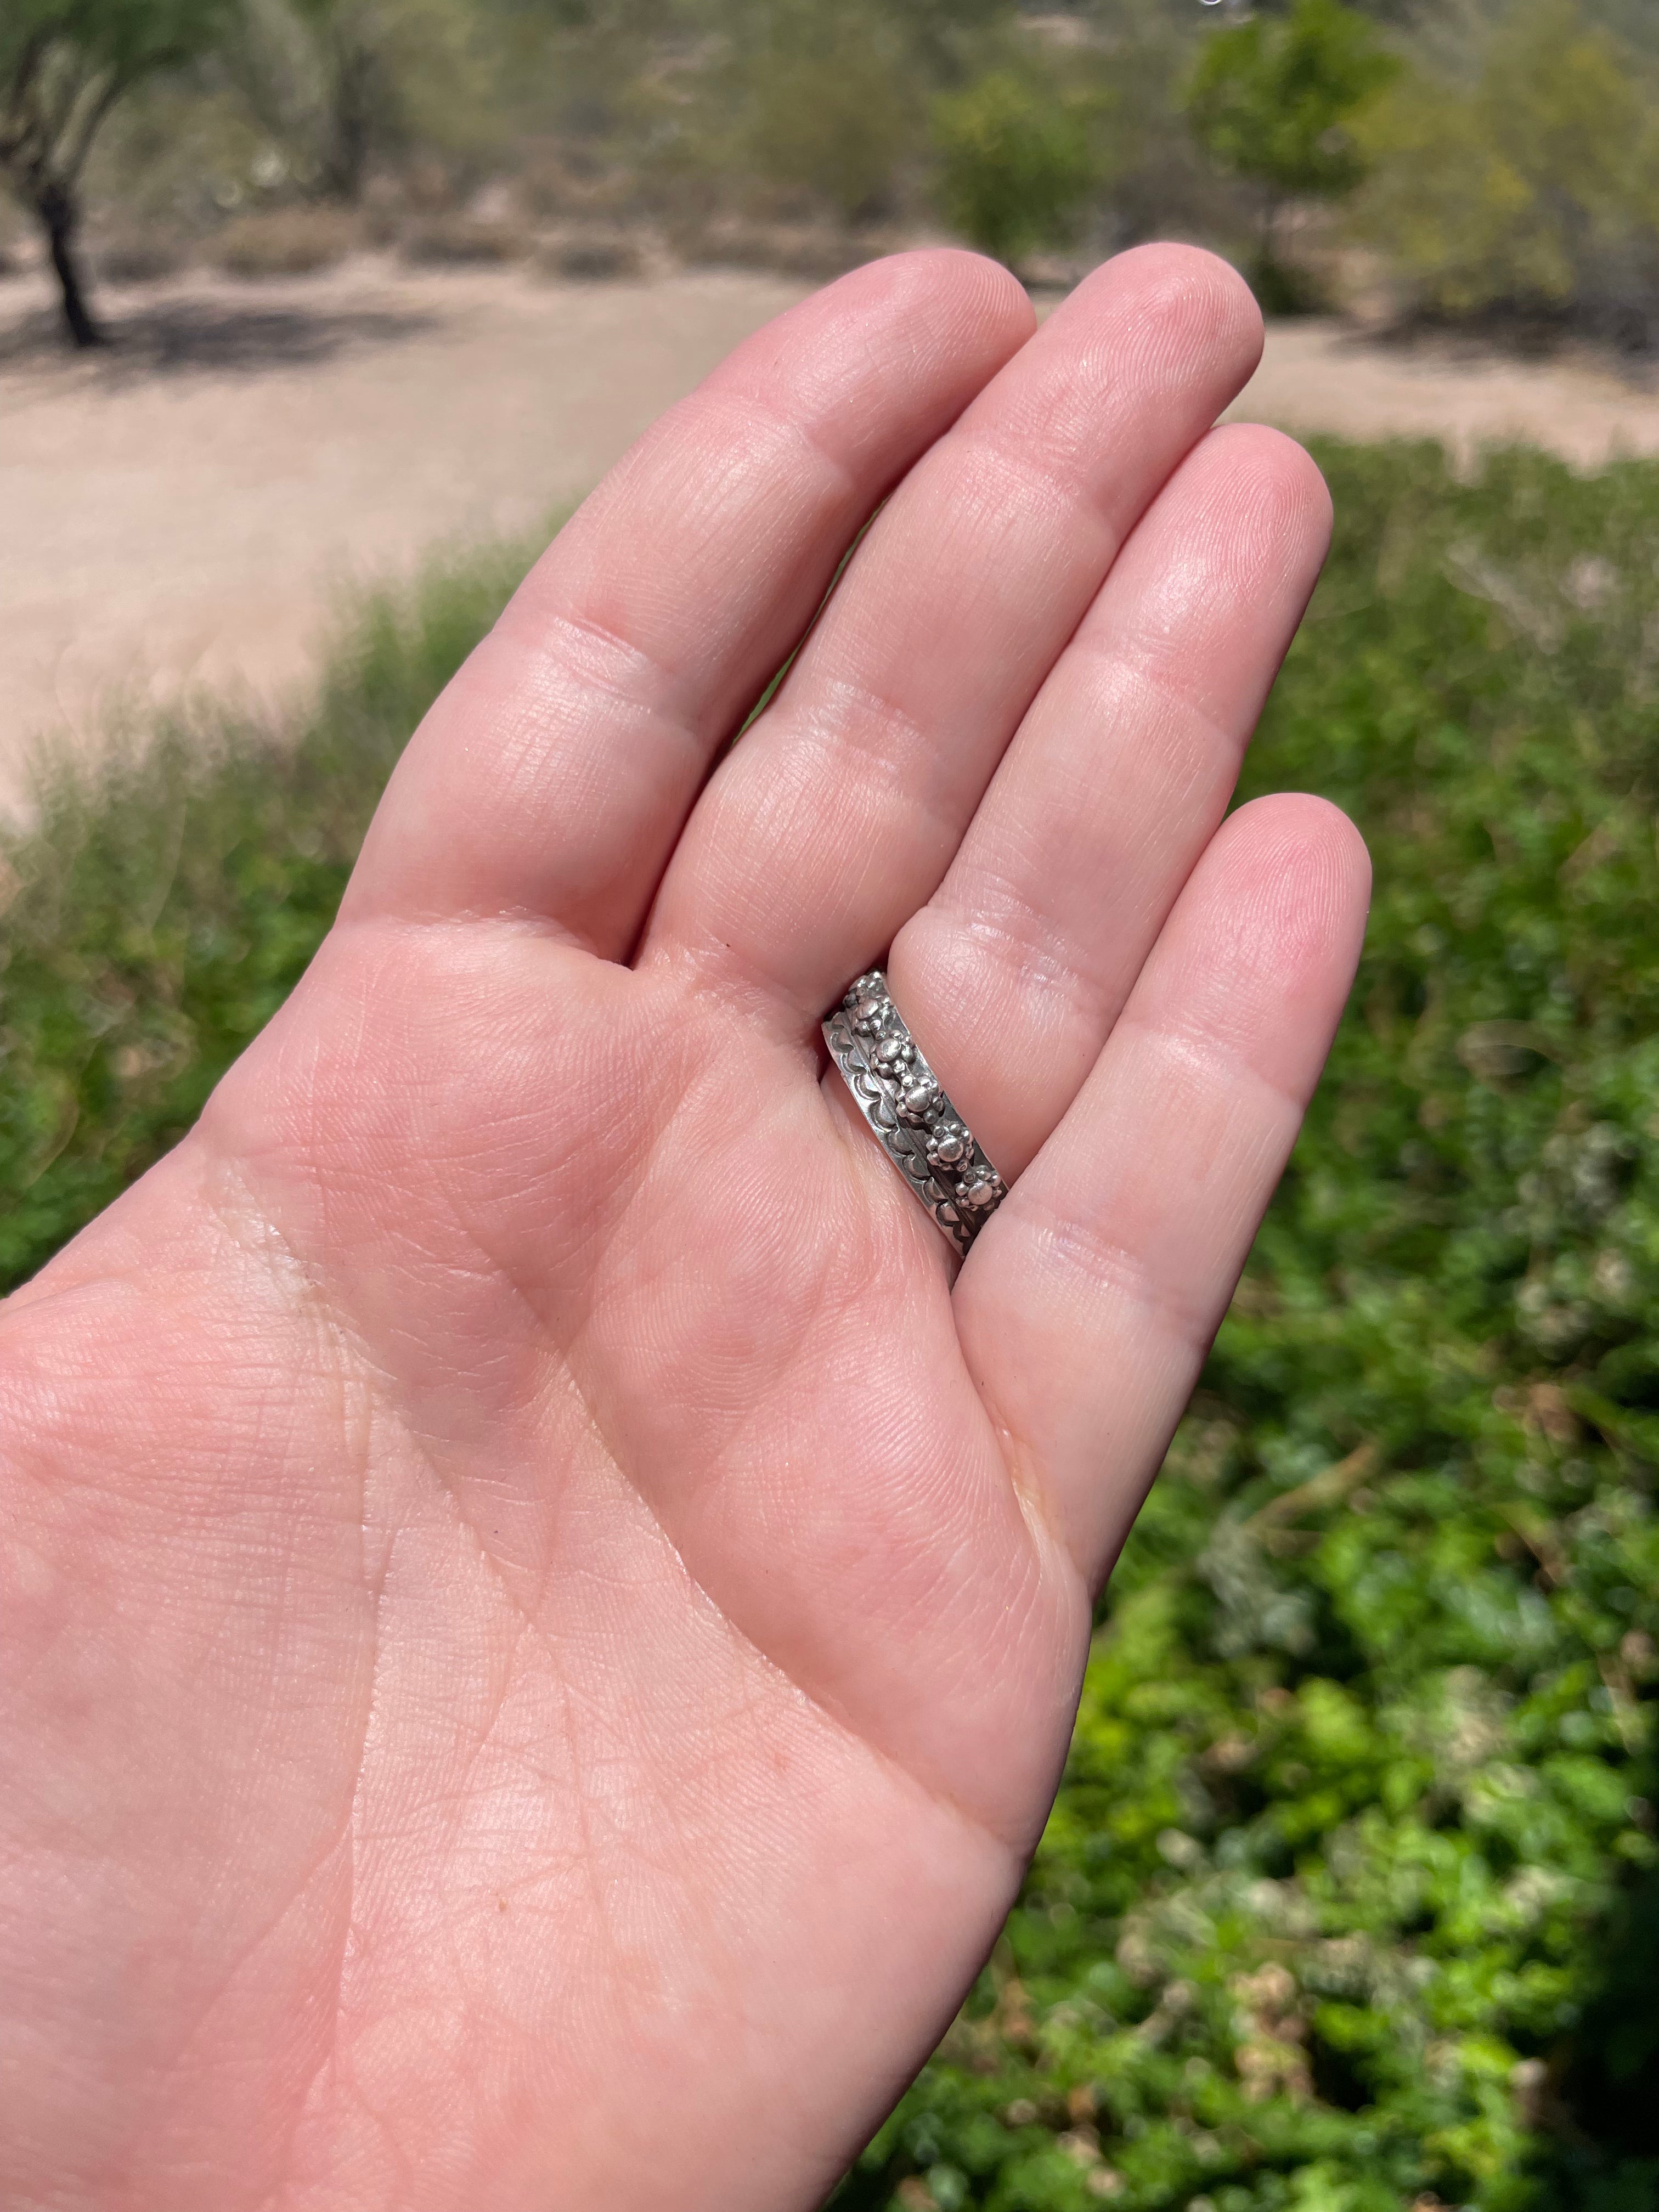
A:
[554,774]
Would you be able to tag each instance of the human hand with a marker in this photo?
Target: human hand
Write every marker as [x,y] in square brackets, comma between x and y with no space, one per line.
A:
[541,1612]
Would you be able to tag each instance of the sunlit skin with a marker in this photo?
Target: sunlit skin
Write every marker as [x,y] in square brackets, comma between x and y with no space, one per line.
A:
[541,1611]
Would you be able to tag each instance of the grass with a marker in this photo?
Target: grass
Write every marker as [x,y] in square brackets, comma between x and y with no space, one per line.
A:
[160,912]
[1351,1899]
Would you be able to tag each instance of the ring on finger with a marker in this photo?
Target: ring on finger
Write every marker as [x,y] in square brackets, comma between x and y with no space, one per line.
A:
[917,1127]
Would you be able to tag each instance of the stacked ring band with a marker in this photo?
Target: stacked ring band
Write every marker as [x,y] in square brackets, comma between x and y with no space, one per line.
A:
[918,1129]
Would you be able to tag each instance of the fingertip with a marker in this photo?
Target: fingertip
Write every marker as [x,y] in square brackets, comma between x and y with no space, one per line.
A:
[1250,509]
[1303,882]
[1190,304]
[948,284]
[1315,487]
[1282,488]
[1328,839]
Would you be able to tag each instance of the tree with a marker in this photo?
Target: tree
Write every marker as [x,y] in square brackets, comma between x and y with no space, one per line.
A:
[339,84]
[813,104]
[827,103]
[63,65]
[1016,160]
[1271,100]
[313,76]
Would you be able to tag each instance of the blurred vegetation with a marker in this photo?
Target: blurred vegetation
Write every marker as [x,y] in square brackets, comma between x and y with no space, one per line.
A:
[1531,187]
[1351,1899]
[1017,159]
[337,86]
[1422,159]
[819,104]
[158,914]
[1273,99]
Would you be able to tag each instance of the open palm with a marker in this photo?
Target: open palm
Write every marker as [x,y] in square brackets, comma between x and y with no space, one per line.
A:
[542,1612]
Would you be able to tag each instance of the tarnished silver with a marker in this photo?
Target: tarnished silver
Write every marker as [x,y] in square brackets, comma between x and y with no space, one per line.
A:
[899,1096]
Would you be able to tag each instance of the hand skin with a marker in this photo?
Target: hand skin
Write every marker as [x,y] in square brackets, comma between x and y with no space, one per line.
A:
[540,1613]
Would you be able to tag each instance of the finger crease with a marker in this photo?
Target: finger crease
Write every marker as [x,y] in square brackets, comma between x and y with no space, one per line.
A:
[1054,483]
[1216,1062]
[1080,1244]
[1152,667]
[1032,945]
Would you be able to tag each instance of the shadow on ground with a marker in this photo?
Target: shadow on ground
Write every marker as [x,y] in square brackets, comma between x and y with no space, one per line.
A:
[180,336]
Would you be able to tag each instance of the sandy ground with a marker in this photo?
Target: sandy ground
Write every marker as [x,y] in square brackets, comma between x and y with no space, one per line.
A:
[186,509]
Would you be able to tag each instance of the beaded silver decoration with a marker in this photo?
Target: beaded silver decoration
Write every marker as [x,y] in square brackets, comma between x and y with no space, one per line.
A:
[918,1129]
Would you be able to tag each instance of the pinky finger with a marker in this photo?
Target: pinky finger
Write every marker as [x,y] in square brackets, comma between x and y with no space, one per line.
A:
[1088,1305]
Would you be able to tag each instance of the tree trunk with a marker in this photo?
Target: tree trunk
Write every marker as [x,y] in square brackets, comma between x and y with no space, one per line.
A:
[354,92]
[1270,208]
[57,212]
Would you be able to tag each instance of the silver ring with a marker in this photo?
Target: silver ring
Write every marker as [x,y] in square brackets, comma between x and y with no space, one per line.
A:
[899,1096]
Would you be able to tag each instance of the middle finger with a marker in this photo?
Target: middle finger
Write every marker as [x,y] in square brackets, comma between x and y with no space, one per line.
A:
[1013,974]
[837,816]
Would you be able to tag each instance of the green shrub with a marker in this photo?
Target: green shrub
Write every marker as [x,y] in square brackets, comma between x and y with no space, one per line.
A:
[1536,188]
[794,107]
[1273,100]
[829,107]
[1016,162]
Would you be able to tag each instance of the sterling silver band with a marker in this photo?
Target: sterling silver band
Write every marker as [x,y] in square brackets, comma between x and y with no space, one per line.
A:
[899,1096]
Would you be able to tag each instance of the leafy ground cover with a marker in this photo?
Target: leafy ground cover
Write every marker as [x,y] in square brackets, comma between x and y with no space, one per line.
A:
[1351,1899]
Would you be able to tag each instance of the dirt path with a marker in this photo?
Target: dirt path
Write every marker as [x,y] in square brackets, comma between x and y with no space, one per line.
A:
[184,511]
[187,511]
